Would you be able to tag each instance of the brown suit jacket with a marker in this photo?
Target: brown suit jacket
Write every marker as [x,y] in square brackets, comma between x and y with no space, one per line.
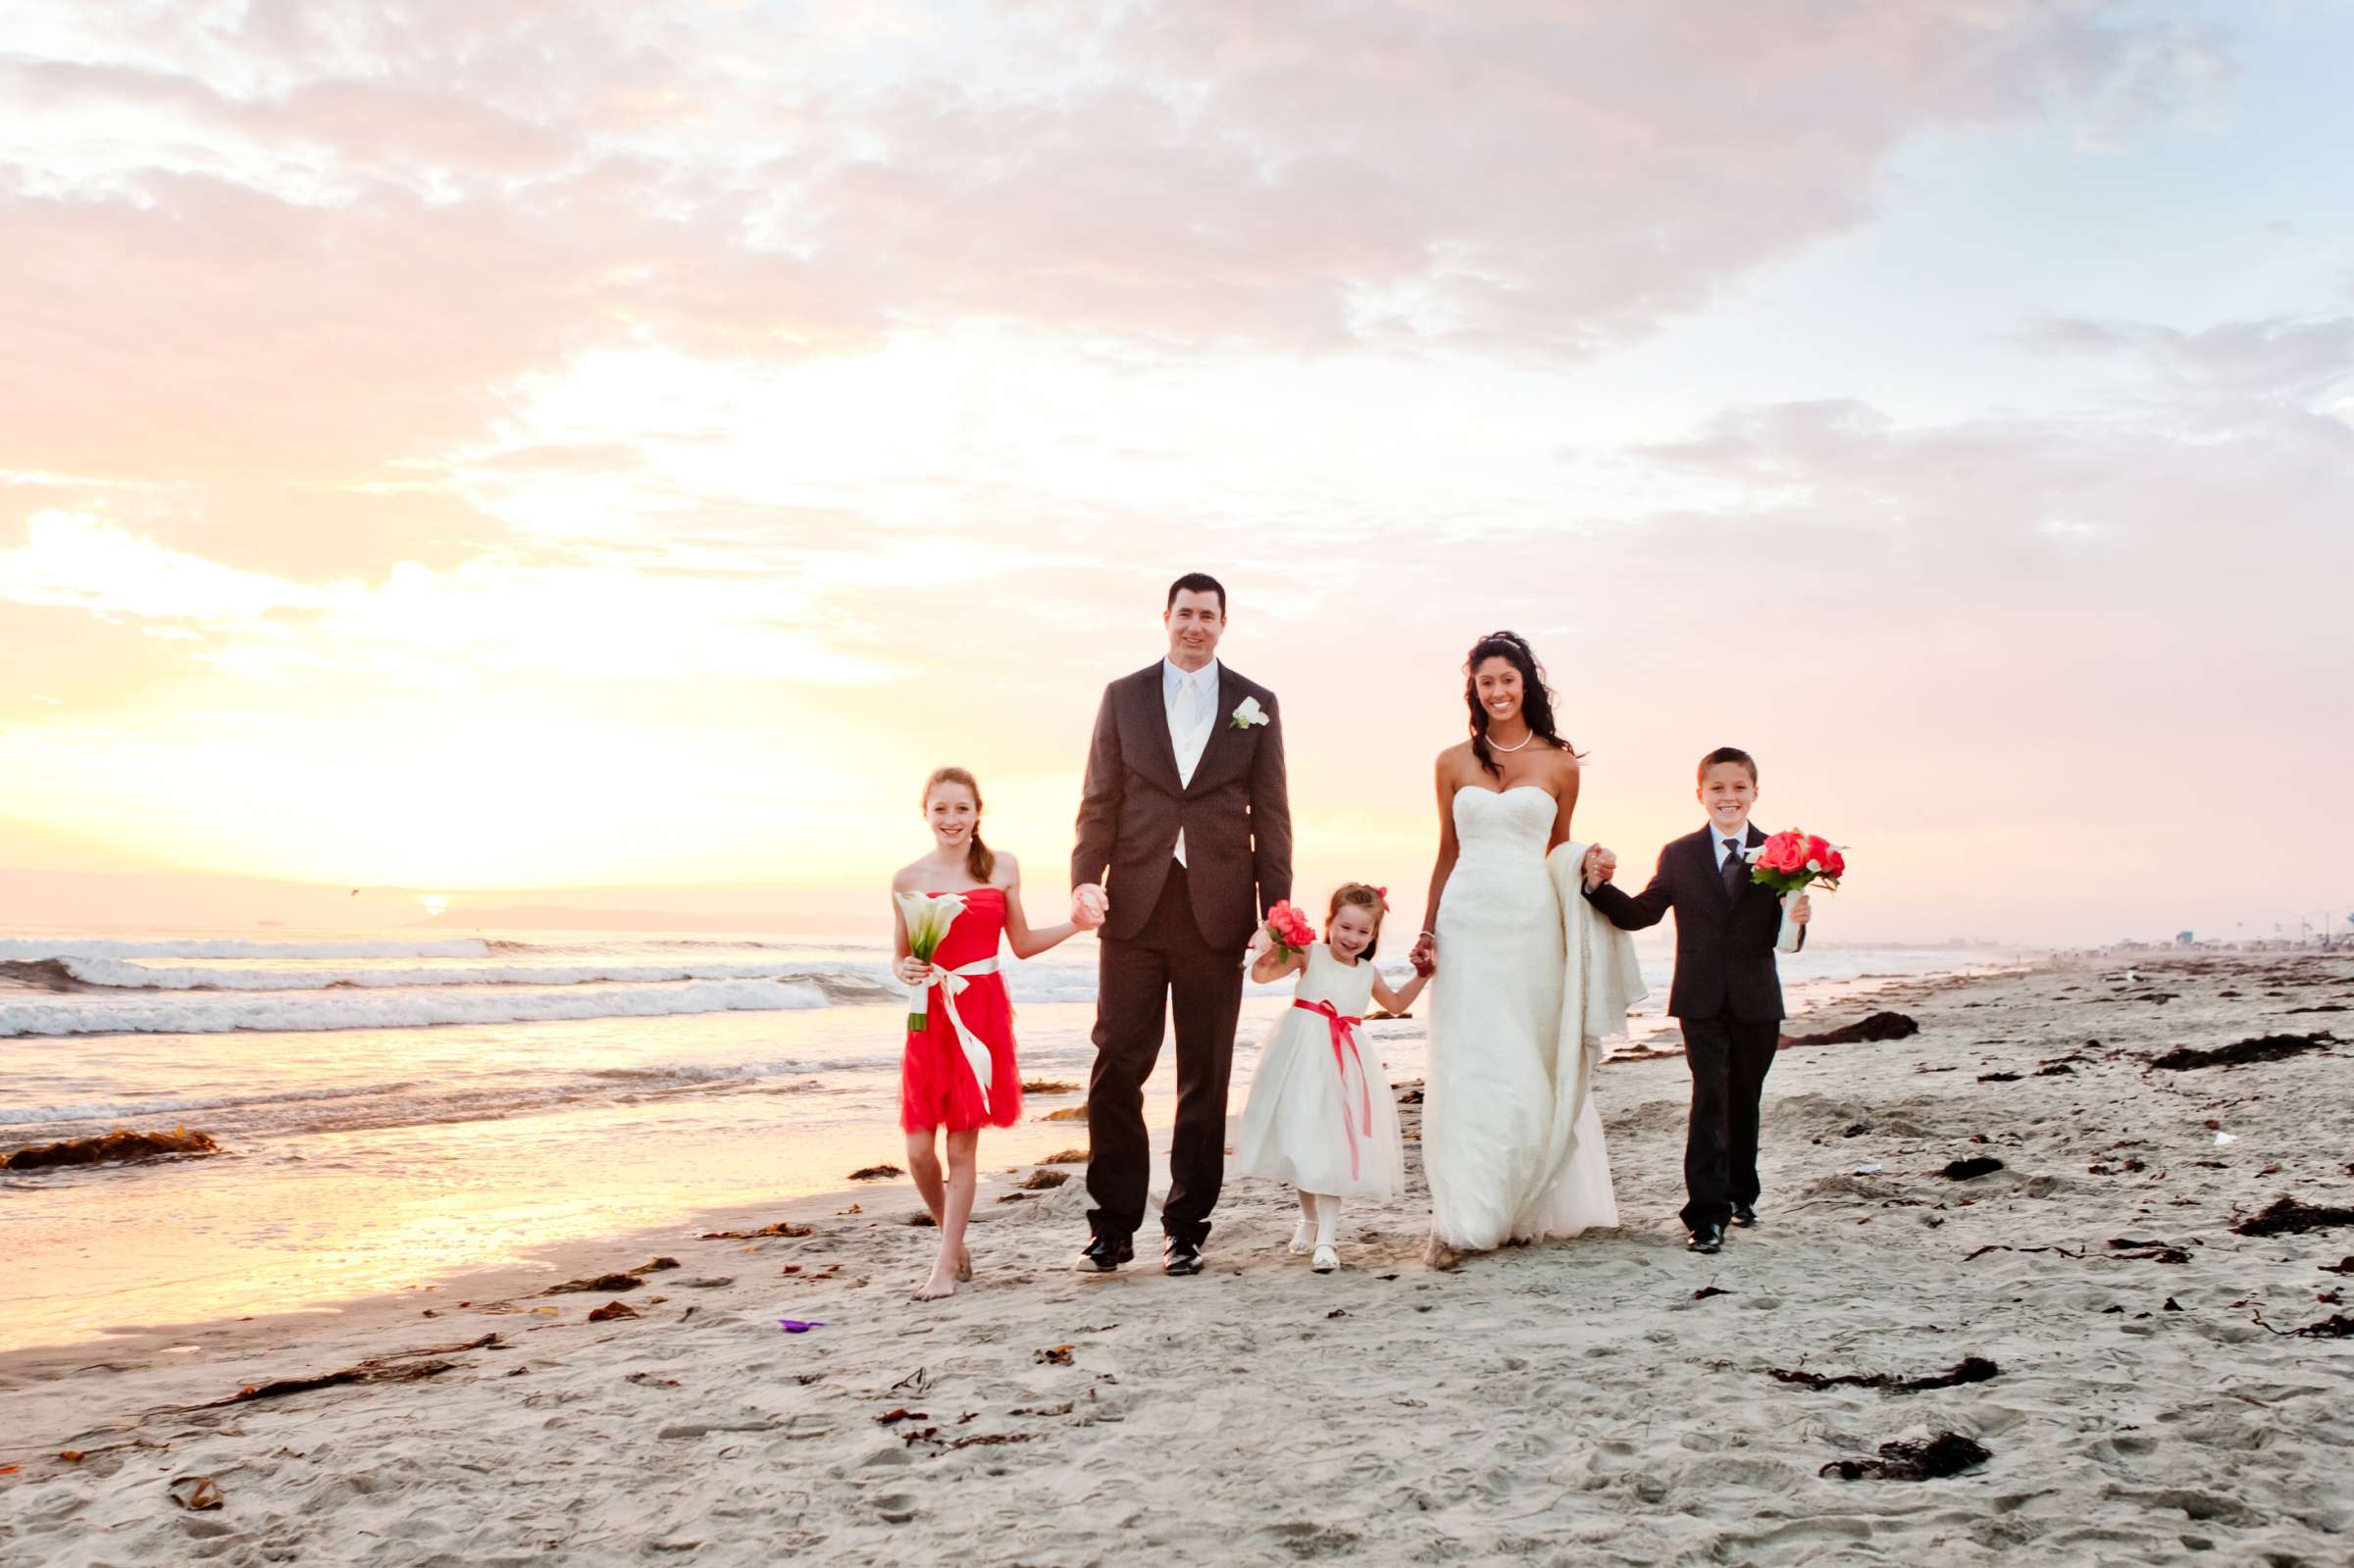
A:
[1723,942]
[1236,814]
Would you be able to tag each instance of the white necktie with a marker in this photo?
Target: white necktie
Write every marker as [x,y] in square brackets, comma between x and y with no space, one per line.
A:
[1189,719]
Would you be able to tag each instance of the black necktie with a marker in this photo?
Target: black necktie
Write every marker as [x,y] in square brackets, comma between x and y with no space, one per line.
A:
[1736,869]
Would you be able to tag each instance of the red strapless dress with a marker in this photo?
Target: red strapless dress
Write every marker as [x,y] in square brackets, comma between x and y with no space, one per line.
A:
[937,1085]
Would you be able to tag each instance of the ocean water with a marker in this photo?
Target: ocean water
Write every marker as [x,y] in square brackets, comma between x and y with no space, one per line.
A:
[401,1110]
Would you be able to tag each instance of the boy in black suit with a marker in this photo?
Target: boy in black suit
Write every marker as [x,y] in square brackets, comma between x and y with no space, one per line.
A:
[1726,995]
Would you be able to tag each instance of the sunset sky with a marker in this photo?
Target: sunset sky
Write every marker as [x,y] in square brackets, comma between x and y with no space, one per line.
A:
[471,447]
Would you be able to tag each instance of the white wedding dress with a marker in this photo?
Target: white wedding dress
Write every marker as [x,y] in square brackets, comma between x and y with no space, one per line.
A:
[1529,982]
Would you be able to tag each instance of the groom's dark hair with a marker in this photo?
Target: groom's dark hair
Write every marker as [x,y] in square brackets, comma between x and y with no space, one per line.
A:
[1197,583]
[1728,754]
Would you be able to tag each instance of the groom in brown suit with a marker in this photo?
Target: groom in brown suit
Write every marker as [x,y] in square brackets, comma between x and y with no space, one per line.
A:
[1184,839]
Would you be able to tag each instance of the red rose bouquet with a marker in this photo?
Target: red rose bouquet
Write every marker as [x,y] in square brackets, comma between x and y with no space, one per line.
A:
[1289,930]
[1790,862]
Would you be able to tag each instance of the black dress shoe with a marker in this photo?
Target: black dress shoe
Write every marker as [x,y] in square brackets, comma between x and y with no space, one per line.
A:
[1745,1216]
[1707,1238]
[1105,1253]
[1180,1257]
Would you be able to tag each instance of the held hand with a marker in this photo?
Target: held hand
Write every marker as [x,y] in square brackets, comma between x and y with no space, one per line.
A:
[1260,941]
[1601,865]
[1089,906]
[1425,956]
[1801,911]
[913,971]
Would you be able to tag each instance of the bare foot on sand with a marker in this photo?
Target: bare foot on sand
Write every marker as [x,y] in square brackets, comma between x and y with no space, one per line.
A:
[964,1269]
[1437,1254]
[941,1286]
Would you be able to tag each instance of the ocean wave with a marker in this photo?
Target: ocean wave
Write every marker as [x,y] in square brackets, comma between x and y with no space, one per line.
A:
[699,1074]
[114,973]
[113,1112]
[36,947]
[40,974]
[219,1013]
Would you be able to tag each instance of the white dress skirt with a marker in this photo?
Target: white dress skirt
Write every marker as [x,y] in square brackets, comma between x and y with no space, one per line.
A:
[1321,1118]
[1511,1141]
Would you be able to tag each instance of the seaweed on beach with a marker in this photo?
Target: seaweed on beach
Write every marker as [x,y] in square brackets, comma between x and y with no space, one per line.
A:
[405,1367]
[1969,1369]
[120,1144]
[1069,1156]
[2129,1250]
[875,1173]
[1042,1180]
[2341,1266]
[781,1228]
[2242,1053]
[1878,1027]
[2289,1217]
[1998,1078]
[2337,1326]
[1948,1454]
[1048,1085]
[2147,1252]
[607,1283]
[1968,1170]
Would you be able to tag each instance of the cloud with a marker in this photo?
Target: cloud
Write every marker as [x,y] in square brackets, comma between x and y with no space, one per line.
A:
[2274,359]
[77,562]
[326,241]
[494,614]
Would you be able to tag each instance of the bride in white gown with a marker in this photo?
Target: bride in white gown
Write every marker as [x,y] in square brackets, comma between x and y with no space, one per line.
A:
[1528,979]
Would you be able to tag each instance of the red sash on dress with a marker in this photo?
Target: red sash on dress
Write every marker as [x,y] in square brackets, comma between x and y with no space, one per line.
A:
[1343,1046]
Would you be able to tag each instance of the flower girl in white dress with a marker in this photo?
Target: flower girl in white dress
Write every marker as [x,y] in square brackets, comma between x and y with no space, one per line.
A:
[1321,1115]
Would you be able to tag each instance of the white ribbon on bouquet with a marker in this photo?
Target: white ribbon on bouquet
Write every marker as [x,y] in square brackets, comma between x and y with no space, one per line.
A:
[951,984]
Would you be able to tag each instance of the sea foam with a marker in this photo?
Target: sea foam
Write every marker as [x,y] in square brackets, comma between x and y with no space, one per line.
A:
[232,947]
[216,1014]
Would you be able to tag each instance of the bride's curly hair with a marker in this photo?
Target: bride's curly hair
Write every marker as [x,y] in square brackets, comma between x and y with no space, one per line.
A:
[1536,697]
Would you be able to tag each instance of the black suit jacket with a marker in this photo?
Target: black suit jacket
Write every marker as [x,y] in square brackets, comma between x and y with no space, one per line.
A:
[1723,945]
[1236,814]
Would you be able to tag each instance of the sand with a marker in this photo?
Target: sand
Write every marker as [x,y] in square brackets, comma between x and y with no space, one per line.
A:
[1574,1403]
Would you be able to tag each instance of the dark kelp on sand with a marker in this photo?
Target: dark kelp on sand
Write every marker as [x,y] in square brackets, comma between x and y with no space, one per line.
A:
[1878,1027]
[120,1144]
[607,1283]
[2286,1216]
[1948,1454]
[1969,1369]
[2240,1053]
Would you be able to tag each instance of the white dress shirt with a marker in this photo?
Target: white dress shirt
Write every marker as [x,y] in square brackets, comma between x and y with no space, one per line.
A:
[1189,697]
[1728,845]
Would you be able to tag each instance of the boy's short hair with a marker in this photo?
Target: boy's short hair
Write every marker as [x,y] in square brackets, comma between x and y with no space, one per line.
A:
[1197,583]
[1727,754]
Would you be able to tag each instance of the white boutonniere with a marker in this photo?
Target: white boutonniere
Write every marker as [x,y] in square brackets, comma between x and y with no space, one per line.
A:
[1249,714]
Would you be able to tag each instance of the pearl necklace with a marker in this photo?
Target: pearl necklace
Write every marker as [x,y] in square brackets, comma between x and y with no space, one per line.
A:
[1524,740]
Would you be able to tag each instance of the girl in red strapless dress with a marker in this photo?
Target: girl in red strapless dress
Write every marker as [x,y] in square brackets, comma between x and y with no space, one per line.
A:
[959,1074]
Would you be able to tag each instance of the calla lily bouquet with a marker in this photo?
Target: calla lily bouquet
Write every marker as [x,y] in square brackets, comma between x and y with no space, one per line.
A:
[929,917]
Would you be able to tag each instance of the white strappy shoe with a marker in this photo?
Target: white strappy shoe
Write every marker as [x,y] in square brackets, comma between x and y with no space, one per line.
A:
[1327,1260]
[1303,1238]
